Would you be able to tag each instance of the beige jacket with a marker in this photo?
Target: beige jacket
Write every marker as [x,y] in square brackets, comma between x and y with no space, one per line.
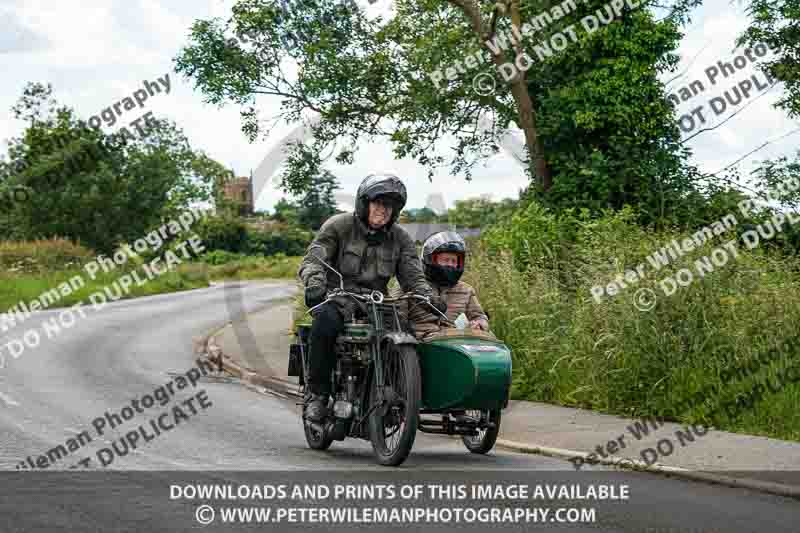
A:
[461,298]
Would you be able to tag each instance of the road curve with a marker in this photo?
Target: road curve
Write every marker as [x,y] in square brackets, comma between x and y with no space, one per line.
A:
[51,393]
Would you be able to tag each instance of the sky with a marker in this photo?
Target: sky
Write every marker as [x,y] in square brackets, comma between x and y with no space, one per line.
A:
[98,52]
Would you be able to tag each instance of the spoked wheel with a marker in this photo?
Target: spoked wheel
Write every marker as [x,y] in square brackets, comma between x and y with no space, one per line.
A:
[485,439]
[393,424]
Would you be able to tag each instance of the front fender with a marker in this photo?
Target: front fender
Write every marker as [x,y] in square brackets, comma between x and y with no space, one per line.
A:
[399,337]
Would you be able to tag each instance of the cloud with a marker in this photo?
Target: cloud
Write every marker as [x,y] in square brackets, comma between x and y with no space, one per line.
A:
[16,37]
[709,41]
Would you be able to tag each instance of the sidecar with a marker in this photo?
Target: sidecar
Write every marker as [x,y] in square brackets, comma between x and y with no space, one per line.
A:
[466,381]
[467,371]
[464,369]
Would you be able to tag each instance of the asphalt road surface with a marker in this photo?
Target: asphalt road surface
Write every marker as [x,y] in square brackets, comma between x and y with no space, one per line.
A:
[224,433]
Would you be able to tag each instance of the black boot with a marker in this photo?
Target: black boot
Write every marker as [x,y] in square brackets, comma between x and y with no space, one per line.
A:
[316,408]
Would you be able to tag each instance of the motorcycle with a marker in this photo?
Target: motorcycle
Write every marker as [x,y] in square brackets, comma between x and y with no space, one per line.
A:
[387,385]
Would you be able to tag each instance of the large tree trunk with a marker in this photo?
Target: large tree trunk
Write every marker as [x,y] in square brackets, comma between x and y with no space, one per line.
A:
[526,114]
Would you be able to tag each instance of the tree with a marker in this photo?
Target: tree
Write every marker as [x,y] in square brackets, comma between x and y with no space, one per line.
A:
[368,78]
[480,212]
[606,122]
[424,215]
[776,23]
[97,189]
[319,203]
[286,211]
[314,208]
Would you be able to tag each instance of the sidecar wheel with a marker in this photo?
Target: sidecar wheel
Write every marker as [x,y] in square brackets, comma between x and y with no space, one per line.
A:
[484,441]
[393,434]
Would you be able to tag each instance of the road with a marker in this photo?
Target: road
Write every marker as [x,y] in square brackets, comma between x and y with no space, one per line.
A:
[53,392]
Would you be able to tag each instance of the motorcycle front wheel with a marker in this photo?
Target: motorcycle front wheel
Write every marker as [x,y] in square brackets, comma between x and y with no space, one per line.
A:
[393,423]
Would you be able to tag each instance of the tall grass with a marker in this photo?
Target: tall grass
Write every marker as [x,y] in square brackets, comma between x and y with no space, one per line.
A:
[31,268]
[42,255]
[277,266]
[669,361]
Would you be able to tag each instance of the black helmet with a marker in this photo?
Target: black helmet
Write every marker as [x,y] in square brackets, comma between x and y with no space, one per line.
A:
[444,242]
[375,185]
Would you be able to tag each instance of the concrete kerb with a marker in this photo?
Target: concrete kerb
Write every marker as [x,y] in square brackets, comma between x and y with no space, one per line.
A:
[211,350]
[778,489]
[247,375]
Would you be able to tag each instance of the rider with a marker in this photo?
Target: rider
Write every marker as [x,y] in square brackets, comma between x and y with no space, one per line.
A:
[367,248]
[444,258]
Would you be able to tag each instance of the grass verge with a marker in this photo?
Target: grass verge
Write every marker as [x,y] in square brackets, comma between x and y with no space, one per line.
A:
[695,357]
[25,287]
[272,267]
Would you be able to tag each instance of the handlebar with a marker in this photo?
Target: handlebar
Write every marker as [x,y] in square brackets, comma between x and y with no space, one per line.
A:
[373,296]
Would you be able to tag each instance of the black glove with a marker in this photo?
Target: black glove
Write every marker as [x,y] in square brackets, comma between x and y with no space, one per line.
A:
[315,295]
[439,303]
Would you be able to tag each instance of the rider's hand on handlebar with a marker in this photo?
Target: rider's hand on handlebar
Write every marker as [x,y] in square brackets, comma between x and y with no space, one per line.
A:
[315,295]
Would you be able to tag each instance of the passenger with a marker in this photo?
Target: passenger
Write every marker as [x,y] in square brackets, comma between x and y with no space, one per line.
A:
[443,259]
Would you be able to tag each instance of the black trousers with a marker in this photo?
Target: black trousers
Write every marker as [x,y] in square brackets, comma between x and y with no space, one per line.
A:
[327,324]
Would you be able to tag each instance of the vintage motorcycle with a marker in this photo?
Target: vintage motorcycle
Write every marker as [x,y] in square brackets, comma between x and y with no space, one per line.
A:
[387,385]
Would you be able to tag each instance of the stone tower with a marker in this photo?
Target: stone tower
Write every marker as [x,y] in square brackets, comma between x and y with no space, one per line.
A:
[239,191]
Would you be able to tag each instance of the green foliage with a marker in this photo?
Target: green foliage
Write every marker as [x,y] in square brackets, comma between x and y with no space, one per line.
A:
[232,235]
[42,255]
[609,133]
[286,211]
[480,212]
[29,269]
[316,205]
[275,267]
[777,24]
[535,234]
[774,180]
[569,349]
[287,240]
[18,287]
[223,233]
[220,257]
[95,189]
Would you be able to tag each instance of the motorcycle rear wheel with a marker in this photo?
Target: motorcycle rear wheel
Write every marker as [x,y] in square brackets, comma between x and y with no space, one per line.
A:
[402,382]
[486,438]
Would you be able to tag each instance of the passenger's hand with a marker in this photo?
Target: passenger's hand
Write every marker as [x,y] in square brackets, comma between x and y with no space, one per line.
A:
[315,295]
[479,324]
[439,303]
